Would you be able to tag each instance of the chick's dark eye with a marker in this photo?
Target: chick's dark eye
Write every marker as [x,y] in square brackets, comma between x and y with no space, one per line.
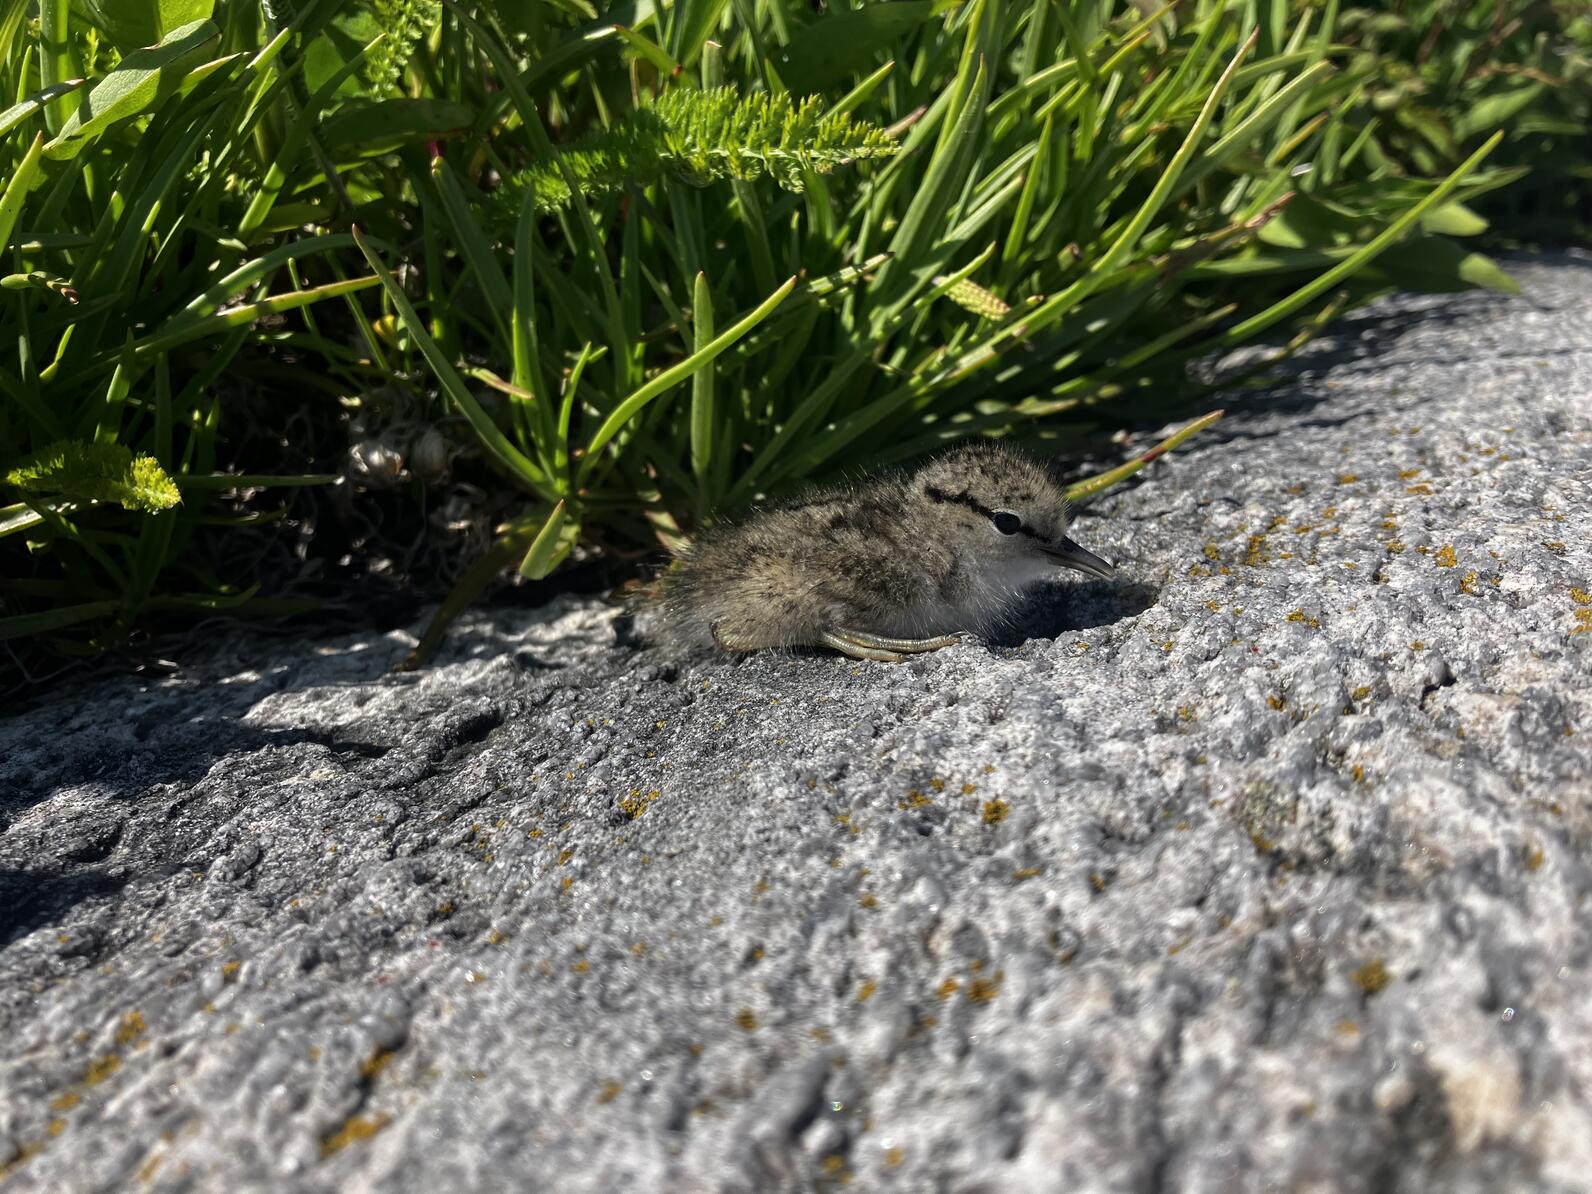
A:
[1006,522]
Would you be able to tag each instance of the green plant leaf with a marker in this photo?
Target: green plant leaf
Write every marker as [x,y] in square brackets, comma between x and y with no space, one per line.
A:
[845,42]
[17,113]
[379,127]
[1436,265]
[1454,219]
[104,472]
[44,621]
[134,23]
[27,175]
[137,84]
[694,21]
[543,554]
[672,377]
[1494,111]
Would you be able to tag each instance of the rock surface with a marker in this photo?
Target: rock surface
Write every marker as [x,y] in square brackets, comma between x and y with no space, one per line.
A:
[1266,868]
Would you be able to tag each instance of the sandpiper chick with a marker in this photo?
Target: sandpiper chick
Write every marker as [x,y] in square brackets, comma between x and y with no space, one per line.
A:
[890,568]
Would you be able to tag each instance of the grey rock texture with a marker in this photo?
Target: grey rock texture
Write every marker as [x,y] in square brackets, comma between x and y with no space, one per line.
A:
[1266,868]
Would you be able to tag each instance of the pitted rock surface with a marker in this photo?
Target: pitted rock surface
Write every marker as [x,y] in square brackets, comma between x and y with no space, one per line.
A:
[1264,868]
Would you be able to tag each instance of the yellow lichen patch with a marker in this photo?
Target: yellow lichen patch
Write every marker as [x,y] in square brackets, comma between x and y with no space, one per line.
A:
[1276,702]
[894,1156]
[65,1101]
[1583,621]
[370,1069]
[1371,977]
[983,990]
[1255,551]
[1347,478]
[566,883]
[995,811]
[1186,713]
[581,967]
[915,800]
[130,1027]
[1467,583]
[638,802]
[948,988]
[1578,595]
[834,1165]
[101,1068]
[1027,872]
[1418,645]
[1409,473]
[355,1128]
[1445,557]
[496,937]
[1418,489]
[1361,692]
[866,991]
[745,1020]
[1395,548]
[1347,1028]
[1097,880]
[1534,859]
[563,859]
[610,1091]
[1212,552]
[868,900]
[937,784]
[1299,615]
[969,789]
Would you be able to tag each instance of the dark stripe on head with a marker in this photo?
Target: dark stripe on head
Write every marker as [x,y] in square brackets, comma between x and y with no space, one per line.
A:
[936,494]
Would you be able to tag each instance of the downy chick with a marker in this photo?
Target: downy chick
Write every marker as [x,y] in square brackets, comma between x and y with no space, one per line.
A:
[896,566]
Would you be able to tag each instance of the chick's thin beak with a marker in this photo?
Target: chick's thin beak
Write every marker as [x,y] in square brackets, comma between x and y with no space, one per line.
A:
[1066,554]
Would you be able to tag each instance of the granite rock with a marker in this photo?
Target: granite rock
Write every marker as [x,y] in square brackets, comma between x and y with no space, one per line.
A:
[1266,867]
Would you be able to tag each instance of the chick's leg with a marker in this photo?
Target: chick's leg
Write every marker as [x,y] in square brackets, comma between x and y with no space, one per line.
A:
[906,646]
[847,646]
[862,645]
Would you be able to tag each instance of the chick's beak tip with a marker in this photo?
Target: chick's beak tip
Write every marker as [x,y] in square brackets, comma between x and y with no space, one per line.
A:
[1066,554]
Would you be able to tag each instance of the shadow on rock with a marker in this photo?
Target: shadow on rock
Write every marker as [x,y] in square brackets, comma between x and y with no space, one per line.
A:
[172,751]
[1057,609]
[29,899]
